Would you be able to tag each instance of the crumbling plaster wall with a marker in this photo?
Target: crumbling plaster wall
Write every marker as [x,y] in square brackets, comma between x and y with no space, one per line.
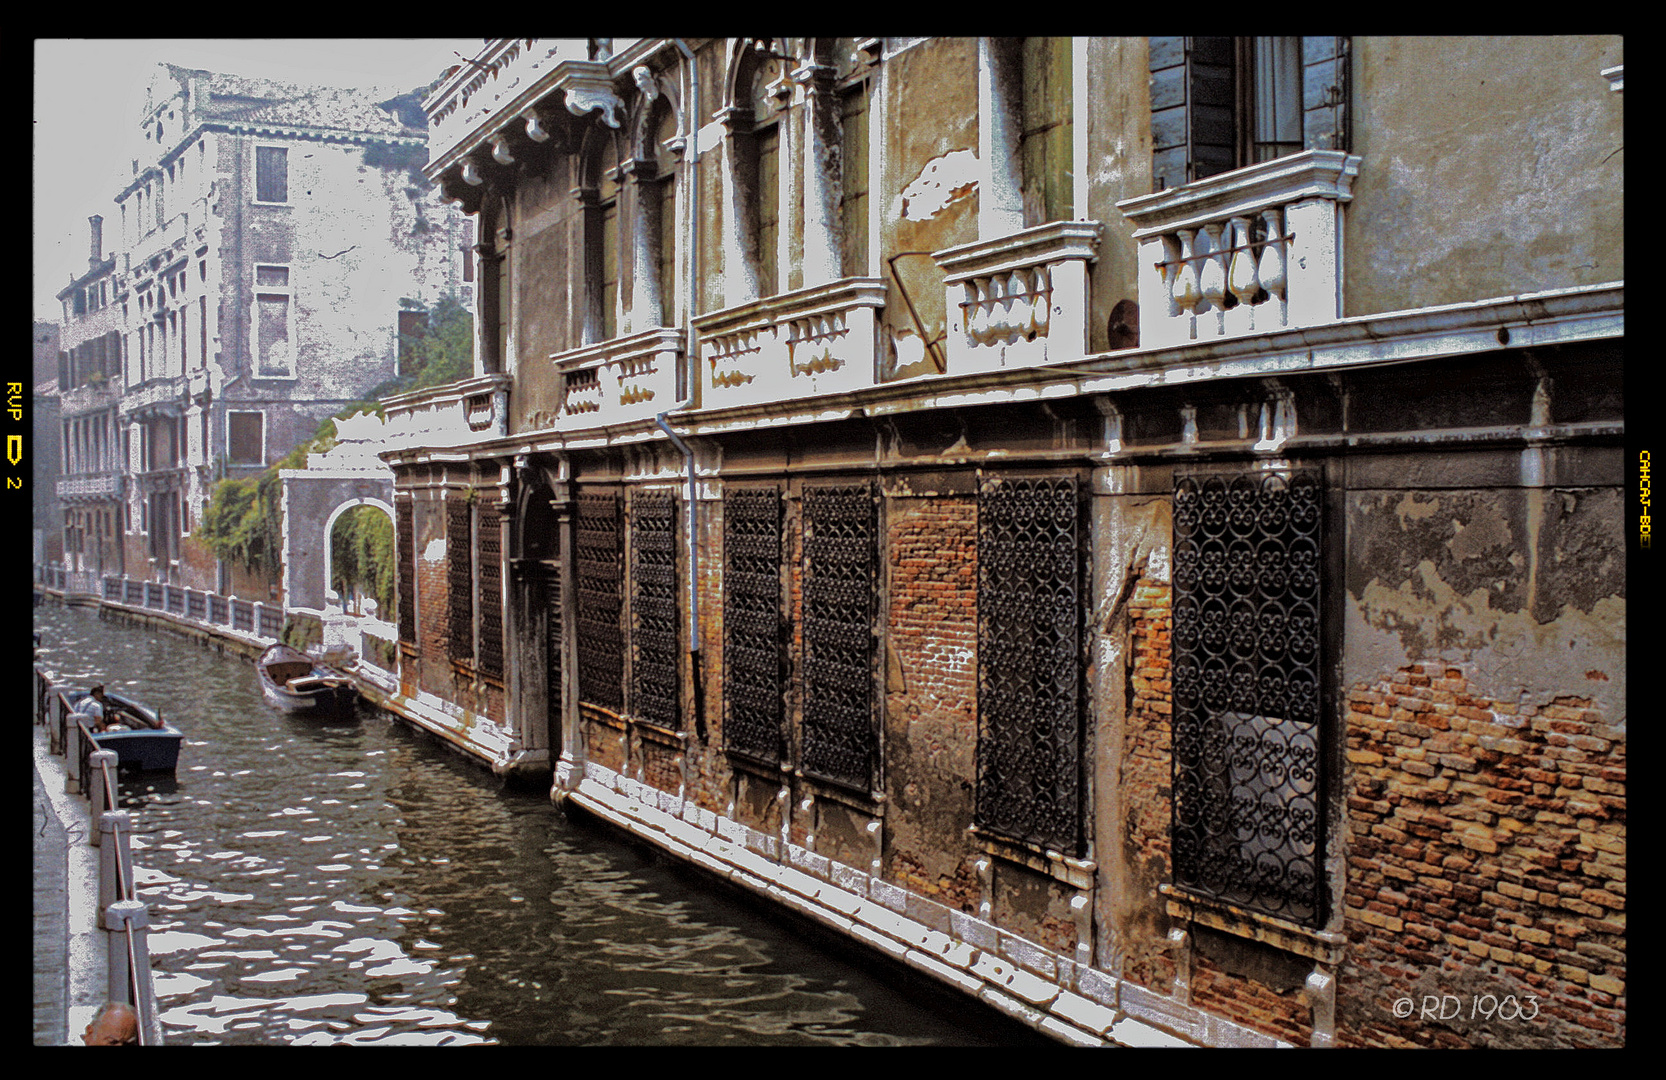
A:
[1522,587]
[1465,191]
[929,195]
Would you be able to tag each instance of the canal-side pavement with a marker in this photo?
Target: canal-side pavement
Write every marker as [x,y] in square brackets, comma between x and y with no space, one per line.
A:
[70,974]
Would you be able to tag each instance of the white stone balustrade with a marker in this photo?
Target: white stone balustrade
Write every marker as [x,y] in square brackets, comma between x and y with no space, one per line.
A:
[456,414]
[99,485]
[1019,300]
[1250,251]
[628,378]
[819,340]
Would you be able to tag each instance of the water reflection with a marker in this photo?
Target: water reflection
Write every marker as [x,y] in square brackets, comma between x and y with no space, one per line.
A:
[355,883]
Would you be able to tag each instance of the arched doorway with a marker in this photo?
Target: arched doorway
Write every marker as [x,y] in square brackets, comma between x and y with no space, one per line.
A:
[359,557]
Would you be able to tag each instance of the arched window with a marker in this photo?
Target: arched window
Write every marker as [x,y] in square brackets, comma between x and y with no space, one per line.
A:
[598,193]
[768,97]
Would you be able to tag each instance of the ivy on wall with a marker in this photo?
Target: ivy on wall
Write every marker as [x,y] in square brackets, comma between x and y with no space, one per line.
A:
[243,522]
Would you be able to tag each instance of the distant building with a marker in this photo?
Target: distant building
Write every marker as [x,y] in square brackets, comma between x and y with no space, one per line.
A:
[91,487]
[48,539]
[1134,528]
[269,248]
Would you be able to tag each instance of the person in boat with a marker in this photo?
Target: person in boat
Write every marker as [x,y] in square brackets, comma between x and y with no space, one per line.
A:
[93,707]
[104,715]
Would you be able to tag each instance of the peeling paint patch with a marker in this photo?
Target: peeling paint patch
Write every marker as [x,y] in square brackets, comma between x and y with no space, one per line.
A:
[1485,530]
[435,551]
[944,181]
[1415,507]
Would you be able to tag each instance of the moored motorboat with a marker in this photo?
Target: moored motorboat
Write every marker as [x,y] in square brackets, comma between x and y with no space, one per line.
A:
[290,680]
[144,741]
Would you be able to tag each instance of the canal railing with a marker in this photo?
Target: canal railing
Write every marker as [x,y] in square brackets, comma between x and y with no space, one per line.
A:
[251,624]
[122,916]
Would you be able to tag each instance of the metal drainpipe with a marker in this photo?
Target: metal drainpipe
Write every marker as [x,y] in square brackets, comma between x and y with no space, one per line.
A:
[692,225]
[690,369]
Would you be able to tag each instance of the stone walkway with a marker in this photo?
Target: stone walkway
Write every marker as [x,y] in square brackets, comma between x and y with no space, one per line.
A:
[51,922]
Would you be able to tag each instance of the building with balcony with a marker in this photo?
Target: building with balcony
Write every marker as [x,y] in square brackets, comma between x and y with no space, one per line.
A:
[271,245]
[1129,527]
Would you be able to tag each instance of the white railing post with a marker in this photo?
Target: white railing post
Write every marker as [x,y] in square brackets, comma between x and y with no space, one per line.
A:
[101,767]
[115,858]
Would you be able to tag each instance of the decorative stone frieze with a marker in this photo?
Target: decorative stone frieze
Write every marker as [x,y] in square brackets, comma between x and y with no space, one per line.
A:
[819,340]
[628,378]
[1245,252]
[1019,300]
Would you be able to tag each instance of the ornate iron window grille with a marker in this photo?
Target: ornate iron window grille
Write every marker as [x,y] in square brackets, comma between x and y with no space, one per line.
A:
[1029,661]
[1248,827]
[840,742]
[491,590]
[654,616]
[599,567]
[752,683]
[459,556]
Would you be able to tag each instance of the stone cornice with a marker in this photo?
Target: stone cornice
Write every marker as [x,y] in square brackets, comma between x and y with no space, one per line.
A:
[276,131]
[108,266]
[1585,314]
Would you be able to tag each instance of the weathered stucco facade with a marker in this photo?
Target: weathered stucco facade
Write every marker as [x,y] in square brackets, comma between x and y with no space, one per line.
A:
[1153,569]
[260,262]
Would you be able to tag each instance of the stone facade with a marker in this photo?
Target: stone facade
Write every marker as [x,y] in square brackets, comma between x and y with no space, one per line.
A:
[954,491]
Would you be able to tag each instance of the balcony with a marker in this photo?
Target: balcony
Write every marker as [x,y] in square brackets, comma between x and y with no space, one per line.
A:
[90,397]
[617,381]
[90,487]
[1251,251]
[457,414]
[1019,300]
[501,87]
[815,341]
[155,393]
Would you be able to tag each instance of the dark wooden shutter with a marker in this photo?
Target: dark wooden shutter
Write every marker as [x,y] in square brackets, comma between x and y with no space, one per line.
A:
[1325,93]
[1193,106]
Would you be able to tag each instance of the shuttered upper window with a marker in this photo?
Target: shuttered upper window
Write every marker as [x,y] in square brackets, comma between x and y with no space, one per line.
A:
[271,174]
[1220,103]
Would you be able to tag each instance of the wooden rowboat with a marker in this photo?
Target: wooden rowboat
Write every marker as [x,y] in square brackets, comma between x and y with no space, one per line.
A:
[290,680]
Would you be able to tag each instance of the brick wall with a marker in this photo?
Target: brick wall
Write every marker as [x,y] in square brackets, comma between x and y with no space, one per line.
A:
[1486,856]
[1146,779]
[931,694]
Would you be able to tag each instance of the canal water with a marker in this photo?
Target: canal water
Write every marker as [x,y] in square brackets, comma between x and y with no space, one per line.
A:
[357,883]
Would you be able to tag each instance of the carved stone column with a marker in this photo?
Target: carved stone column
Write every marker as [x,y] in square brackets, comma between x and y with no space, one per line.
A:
[740,193]
[1000,122]
[641,192]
